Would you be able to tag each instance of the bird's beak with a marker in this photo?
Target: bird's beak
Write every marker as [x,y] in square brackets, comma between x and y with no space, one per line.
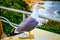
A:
[41,5]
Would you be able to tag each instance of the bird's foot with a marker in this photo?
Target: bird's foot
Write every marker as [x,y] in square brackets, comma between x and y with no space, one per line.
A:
[23,35]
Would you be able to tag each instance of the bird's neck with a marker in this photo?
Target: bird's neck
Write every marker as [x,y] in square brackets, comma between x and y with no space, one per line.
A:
[35,15]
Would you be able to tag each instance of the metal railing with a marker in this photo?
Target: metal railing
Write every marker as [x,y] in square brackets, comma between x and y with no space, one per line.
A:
[46,16]
[15,10]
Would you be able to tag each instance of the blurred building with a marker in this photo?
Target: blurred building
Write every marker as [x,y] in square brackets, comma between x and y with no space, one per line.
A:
[31,2]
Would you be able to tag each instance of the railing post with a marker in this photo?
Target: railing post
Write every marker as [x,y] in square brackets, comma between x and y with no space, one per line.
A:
[23,16]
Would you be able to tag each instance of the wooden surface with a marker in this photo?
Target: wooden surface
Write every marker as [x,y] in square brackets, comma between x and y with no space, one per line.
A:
[38,35]
[1,29]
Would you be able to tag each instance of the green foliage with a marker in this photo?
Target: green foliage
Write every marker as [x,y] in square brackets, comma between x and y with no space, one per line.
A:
[51,26]
[12,16]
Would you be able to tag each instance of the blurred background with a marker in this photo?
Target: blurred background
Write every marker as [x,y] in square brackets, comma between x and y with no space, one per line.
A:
[15,17]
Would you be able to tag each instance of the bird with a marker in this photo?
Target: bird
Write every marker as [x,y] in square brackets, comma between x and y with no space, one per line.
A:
[29,23]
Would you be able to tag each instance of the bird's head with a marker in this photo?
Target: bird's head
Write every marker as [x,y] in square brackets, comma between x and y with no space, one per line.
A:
[36,6]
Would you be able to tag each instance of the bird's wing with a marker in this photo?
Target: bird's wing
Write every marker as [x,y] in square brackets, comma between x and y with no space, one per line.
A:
[27,25]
